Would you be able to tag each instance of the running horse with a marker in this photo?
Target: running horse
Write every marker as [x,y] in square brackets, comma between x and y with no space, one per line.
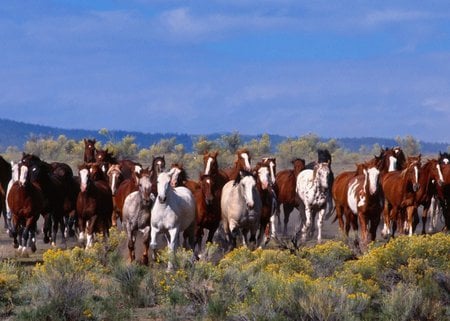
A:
[285,190]
[206,217]
[55,181]
[173,213]
[400,190]
[313,190]
[5,177]
[241,209]
[94,204]
[158,166]
[430,179]
[25,201]
[364,199]
[264,185]
[136,215]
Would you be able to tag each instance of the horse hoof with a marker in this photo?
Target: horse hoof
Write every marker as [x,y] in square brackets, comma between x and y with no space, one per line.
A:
[145,260]
[46,239]
[71,233]
[33,247]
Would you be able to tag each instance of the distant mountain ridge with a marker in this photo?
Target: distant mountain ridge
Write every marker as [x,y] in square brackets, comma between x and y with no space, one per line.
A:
[14,133]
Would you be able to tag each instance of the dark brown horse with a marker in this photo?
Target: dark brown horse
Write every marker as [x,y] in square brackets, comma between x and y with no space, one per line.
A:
[264,186]
[25,201]
[94,203]
[89,150]
[284,187]
[400,191]
[5,177]
[158,166]
[56,185]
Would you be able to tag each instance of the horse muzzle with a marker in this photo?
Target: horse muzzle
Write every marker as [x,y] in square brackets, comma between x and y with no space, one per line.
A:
[162,199]
[250,205]
[416,187]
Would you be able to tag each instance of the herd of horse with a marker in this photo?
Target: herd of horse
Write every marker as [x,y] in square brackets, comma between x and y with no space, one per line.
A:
[167,207]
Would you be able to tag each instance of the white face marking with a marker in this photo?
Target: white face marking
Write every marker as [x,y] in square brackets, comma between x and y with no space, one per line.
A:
[445,160]
[392,164]
[441,177]
[15,172]
[416,174]
[162,185]
[263,174]
[113,183]
[373,174]
[208,165]
[137,169]
[272,172]
[23,175]
[246,161]
[248,184]
[83,179]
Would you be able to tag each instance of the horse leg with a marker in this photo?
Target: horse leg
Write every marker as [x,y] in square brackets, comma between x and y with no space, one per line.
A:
[320,218]
[82,230]
[62,228]
[410,210]
[385,232]
[287,209]
[14,231]
[363,230]
[173,245]
[131,237]
[47,227]
[90,226]
[146,243]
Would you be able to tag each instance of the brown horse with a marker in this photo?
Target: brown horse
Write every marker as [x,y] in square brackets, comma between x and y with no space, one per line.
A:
[115,178]
[284,187]
[364,199]
[25,201]
[94,203]
[57,185]
[89,150]
[5,177]
[264,185]
[400,191]
[158,166]
[242,162]
[430,176]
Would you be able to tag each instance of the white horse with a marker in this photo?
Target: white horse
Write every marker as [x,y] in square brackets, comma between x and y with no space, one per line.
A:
[241,208]
[313,190]
[136,214]
[174,212]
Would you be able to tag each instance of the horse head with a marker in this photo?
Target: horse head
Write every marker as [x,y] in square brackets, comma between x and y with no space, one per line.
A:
[412,171]
[243,160]
[163,185]
[83,173]
[145,186]
[210,162]
[444,158]
[271,162]
[299,165]
[206,184]
[158,164]
[321,173]
[262,172]
[114,176]
[372,173]
[89,150]
[247,184]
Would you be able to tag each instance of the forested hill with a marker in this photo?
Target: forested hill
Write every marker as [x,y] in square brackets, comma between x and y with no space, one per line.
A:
[13,133]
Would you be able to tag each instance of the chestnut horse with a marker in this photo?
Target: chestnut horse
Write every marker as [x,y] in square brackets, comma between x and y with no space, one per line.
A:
[242,162]
[94,203]
[400,191]
[25,201]
[284,188]
[364,197]
[430,176]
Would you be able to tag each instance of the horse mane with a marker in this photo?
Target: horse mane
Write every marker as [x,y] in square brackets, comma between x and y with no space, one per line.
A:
[242,173]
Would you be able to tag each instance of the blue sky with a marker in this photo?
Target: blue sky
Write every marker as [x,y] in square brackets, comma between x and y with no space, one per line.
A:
[288,67]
